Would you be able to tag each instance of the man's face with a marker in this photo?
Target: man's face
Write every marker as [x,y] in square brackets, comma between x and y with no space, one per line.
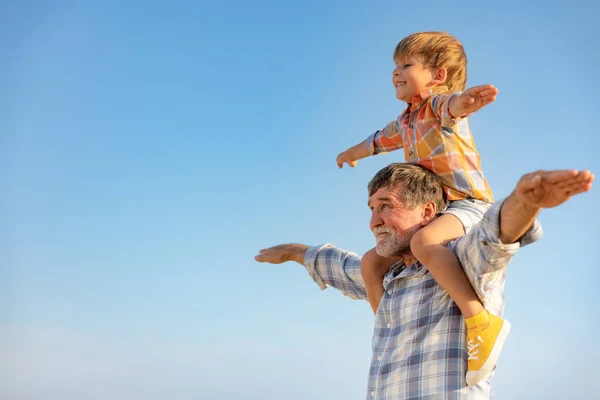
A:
[392,223]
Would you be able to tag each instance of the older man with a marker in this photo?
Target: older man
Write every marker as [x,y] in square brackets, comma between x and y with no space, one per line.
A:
[419,345]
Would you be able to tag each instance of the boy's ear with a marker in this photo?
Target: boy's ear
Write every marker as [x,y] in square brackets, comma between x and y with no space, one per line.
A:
[439,76]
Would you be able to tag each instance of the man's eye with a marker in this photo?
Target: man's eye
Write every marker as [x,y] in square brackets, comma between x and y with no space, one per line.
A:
[407,65]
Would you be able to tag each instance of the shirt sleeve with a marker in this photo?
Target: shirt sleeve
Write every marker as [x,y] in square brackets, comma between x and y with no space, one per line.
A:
[440,105]
[481,253]
[386,139]
[329,266]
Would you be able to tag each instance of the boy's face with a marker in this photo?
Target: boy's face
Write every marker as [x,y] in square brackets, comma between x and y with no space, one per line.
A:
[411,77]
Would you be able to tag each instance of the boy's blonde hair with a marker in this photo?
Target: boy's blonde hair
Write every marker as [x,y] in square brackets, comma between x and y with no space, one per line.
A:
[436,50]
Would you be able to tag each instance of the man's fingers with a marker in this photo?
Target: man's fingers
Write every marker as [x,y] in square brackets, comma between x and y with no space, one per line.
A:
[579,190]
[530,182]
[260,256]
[263,255]
[562,176]
[577,187]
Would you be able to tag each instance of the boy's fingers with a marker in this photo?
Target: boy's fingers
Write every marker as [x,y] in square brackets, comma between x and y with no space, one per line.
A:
[484,87]
[485,91]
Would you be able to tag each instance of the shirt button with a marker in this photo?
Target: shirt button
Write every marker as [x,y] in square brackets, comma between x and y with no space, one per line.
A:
[379,358]
[389,325]
[390,291]
[373,393]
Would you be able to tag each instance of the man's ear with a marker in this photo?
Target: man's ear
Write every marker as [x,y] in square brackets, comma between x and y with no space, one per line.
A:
[439,76]
[429,213]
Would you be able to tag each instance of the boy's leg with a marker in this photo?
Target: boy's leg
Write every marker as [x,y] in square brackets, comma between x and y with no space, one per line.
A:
[486,333]
[373,268]
[428,245]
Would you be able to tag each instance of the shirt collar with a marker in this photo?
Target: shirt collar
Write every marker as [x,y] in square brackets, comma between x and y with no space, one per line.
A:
[418,98]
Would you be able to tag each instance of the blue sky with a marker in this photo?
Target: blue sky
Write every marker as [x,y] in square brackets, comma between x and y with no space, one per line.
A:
[148,150]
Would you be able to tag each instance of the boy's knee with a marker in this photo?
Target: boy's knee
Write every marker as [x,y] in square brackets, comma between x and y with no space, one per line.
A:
[368,260]
[370,257]
[426,245]
[419,241]
[369,264]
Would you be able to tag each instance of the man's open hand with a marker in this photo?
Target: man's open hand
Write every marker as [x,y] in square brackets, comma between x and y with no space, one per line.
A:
[282,253]
[547,189]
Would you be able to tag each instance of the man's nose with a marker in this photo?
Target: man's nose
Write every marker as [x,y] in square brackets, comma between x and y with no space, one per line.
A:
[375,220]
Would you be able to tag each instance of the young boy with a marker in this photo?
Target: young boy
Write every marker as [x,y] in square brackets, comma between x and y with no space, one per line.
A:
[433,130]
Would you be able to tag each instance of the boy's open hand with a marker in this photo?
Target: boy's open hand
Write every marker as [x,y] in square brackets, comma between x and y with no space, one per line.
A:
[472,100]
[344,157]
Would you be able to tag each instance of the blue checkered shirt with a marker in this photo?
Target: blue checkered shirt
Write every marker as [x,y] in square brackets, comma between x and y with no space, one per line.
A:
[419,340]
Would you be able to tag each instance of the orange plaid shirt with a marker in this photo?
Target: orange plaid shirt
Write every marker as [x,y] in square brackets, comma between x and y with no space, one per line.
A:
[434,139]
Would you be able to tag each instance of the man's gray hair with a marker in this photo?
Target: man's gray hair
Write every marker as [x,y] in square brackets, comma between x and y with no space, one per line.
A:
[420,184]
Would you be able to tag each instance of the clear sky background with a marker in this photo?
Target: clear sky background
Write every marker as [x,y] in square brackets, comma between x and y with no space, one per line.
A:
[149,150]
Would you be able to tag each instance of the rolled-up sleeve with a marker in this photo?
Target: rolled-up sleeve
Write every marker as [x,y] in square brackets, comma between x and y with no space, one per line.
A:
[386,139]
[328,265]
[440,104]
[481,253]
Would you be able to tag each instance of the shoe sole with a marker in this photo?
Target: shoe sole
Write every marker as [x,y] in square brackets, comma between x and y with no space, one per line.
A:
[489,364]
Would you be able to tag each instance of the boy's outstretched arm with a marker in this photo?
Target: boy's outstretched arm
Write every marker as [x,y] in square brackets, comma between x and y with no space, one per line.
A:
[472,100]
[353,154]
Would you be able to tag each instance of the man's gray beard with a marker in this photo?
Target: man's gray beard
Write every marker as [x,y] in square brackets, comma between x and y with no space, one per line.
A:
[394,245]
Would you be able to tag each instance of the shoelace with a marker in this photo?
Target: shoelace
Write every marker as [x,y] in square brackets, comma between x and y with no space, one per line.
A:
[472,348]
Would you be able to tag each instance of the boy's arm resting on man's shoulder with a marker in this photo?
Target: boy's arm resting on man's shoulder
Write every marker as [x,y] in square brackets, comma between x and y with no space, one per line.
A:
[327,265]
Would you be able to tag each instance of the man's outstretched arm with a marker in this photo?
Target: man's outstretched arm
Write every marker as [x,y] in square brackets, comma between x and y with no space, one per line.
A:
[326,265]
[489,247]
[537,190]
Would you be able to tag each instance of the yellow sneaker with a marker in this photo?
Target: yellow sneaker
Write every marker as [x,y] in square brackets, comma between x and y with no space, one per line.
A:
[484,344]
